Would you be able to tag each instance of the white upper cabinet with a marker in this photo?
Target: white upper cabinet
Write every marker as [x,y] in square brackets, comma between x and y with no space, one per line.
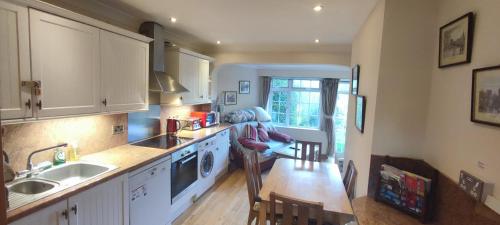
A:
[15,100]
[192,71]
[52,66]
[124,73]
[204,80]
[189,77]
[65,59]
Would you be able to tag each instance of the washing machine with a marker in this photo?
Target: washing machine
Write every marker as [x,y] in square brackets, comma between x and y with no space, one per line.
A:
[206,157]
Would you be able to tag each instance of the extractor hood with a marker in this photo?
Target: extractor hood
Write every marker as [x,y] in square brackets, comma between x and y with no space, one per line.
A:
[159,81]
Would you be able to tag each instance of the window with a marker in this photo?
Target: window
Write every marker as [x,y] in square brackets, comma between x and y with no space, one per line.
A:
[340,117]
[297,103]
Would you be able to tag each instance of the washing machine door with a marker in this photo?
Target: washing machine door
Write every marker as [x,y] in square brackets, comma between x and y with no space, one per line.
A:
[207,163]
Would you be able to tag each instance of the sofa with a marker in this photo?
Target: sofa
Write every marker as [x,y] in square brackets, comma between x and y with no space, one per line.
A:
[266,158]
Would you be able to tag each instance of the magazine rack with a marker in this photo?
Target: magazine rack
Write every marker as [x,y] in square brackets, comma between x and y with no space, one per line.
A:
[408,189]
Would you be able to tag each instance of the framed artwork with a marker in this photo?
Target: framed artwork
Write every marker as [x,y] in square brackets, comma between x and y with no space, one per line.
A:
[360,113]
[355,80]
[455,41]
[486,96]
[230,98]
[244,87]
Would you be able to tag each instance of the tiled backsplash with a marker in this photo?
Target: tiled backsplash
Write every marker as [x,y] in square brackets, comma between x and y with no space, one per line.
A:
[92,133]
[180,112]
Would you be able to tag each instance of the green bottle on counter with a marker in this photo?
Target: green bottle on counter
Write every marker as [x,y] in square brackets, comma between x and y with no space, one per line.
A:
[59,157]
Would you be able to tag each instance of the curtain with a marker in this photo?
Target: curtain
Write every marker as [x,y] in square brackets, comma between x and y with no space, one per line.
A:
[329,89]
[266,89]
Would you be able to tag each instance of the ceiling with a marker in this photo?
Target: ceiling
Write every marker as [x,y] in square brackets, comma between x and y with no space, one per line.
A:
[257,24]
[300,67]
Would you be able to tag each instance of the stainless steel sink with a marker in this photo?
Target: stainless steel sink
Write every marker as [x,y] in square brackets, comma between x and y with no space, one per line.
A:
[31,187]
[23,191]
[74,173]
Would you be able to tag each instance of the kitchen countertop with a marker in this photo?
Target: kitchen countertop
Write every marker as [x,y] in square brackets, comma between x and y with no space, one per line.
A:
[126,157]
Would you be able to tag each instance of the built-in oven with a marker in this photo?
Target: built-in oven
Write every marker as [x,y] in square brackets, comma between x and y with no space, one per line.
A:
[184,171]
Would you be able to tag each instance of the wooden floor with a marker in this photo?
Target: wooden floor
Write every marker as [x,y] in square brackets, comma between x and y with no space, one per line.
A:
[225,204]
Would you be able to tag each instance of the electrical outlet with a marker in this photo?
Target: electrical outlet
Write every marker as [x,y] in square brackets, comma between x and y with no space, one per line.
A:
[117,129]
[472,185]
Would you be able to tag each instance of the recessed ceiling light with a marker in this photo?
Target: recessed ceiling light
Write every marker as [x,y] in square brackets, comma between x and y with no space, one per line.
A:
[218,42]
[316,41]
[318,8]
[173,19]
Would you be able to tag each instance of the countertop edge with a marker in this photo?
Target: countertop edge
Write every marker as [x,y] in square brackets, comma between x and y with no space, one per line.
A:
[51,199]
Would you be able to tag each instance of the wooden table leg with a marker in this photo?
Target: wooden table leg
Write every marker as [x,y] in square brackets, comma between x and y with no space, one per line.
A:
[262,213]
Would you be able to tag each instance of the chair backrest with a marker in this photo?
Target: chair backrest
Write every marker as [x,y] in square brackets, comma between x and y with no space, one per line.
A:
[347,173]
[308,150]
[350,179]
[253,177]
[295,208]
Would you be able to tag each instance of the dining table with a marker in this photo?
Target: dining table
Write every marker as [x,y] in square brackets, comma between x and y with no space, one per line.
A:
[309,181]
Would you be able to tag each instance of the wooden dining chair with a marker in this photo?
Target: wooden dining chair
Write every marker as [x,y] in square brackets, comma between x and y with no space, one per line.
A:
[254,184]
[308,150]
[295,211]
[350,179]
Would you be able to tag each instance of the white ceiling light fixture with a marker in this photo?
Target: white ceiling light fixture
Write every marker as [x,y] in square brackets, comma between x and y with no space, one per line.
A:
[316,41]
[218,42]
[318,8]
[173,19]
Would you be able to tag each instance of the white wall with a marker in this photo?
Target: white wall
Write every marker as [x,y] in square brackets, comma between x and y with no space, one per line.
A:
[366,49]
[404,78]
[415,109]
[228,78]
[336,58]
[453,143]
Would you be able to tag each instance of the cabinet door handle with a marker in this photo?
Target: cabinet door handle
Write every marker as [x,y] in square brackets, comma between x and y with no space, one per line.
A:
[28,104]
[39,104]
[105,102]
[74,209]
[65,214]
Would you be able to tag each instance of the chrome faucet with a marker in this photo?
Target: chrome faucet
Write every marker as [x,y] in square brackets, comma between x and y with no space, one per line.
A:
[29,164]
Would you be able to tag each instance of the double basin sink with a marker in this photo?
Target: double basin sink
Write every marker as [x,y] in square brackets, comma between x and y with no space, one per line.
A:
[26,190]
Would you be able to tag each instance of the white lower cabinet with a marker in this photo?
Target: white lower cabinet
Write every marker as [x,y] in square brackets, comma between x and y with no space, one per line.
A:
[221,159]
[101,205]
[53,215]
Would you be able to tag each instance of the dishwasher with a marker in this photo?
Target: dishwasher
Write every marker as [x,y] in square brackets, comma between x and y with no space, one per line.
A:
[149,194]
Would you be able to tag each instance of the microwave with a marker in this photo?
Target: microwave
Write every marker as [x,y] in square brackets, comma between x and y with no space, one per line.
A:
[207,118]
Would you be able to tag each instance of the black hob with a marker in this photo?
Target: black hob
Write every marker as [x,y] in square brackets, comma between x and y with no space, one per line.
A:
[163,142]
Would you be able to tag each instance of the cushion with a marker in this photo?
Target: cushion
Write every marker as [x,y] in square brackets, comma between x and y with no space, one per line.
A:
[263,135]
[261,115]
[250,132]
[239,116]
[278,136]
[252,144]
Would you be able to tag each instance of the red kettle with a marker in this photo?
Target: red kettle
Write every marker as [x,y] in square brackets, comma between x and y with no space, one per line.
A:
[173,126]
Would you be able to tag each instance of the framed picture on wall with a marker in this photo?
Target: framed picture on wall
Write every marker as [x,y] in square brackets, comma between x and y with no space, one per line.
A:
[360,113]
[455,41]
[355,80]
[244,87]
[486,96]
[230,98]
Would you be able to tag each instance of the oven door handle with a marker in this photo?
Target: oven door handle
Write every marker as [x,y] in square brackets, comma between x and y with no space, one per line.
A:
[188,159]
